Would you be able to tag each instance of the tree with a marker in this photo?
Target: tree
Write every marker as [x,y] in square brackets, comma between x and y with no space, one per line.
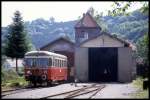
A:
[142,55]
[121,7]
[16,40]
[142,48]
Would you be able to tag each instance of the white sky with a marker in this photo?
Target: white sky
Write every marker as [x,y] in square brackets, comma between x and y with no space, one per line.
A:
[61,11]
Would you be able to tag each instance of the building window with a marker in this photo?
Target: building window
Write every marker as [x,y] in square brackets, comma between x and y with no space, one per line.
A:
[84,36]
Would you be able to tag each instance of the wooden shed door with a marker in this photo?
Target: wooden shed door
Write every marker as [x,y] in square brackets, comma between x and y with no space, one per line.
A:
[103,64]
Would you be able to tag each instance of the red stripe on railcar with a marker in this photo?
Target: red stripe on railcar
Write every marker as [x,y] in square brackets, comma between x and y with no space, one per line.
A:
[57,73]
[53,73]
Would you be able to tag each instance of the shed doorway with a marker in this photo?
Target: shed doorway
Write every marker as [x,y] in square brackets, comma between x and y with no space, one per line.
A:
[103,64]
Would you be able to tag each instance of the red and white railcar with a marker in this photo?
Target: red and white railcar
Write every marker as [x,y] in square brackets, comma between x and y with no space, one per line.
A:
[44,66]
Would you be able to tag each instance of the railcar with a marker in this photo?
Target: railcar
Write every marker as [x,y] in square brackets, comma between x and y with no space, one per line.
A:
[45,67]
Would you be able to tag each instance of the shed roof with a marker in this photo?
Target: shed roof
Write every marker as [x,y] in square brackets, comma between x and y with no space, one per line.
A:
[60,38]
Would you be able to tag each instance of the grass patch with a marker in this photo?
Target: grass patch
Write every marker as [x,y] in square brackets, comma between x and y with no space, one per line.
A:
[138,83]
[10,79]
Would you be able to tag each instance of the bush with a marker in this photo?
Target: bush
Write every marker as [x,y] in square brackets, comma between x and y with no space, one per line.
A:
[142,70]
[138,83]
[11,79]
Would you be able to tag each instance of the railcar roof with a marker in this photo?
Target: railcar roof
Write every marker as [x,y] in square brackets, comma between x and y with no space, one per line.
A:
[43,53]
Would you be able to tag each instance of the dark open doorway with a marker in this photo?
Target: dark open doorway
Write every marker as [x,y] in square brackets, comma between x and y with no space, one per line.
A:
[103,64]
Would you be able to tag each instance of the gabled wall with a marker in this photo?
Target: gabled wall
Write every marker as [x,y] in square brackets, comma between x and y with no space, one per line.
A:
[103,41]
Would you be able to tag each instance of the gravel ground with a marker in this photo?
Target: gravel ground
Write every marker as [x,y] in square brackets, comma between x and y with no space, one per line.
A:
[116,90]
[113,90]
[39,93]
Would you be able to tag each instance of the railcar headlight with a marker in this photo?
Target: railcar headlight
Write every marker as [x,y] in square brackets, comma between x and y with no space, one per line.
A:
[29,72]
[45,72]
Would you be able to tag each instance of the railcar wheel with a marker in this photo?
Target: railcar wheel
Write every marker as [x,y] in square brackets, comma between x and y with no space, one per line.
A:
[49,83]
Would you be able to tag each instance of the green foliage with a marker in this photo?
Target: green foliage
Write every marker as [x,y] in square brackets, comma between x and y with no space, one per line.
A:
[138,83]
[142,48]
[120,8]
[145,8]
[142,54]
[16,40]
[11,79]
[8,75]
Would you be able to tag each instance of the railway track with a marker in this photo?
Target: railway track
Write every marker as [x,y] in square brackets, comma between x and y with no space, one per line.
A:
[86,90]
[92,90]
[18,90]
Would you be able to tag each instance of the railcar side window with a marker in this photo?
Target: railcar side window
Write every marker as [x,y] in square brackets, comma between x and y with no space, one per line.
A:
[60,63]
[50,62]
[65,63]
[55,62]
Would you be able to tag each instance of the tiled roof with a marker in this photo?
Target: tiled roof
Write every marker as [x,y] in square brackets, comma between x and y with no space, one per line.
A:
[60,38]
[87,21]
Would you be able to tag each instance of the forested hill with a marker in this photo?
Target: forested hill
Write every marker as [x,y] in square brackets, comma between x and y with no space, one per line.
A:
[42,31]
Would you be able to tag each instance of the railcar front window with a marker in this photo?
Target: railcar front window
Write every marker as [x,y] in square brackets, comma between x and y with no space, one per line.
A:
[29,62]
[37,62]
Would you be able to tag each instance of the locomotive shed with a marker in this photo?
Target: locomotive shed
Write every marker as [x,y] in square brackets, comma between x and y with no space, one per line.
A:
[100,56]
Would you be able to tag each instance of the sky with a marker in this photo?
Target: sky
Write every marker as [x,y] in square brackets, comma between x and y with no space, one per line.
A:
[61,11]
